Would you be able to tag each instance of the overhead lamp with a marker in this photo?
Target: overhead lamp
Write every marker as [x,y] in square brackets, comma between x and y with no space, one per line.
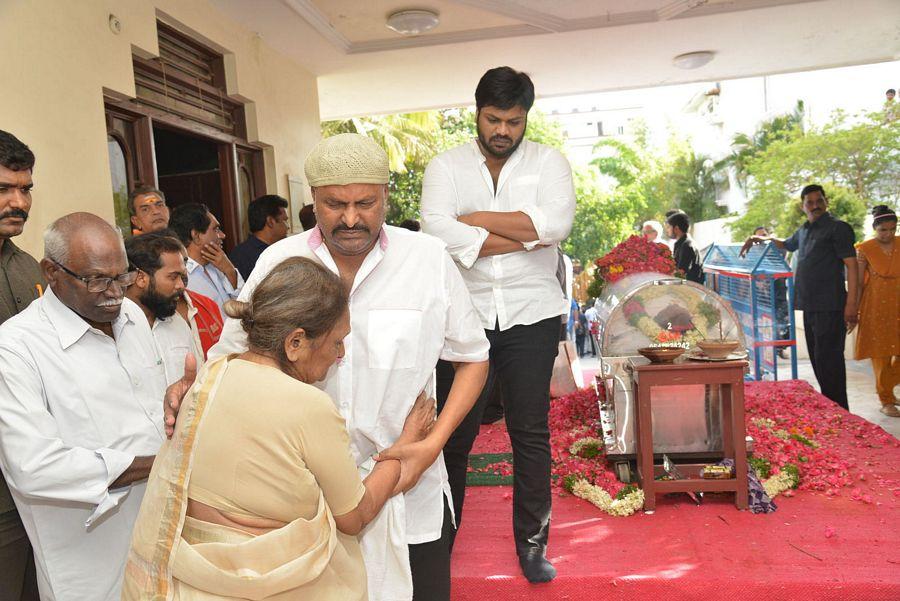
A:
[693,60]
[412,22]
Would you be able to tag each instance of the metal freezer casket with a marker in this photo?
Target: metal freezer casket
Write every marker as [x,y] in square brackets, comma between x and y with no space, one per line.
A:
[647,309]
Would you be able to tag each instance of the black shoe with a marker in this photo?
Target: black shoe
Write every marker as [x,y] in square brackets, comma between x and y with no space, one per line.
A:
[536,567]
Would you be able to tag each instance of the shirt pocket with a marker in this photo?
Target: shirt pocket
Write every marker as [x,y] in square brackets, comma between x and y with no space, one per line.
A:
[523,191]
[173,361]
[393,338]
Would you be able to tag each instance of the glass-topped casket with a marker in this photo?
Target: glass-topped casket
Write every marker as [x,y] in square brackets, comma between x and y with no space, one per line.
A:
[655,310]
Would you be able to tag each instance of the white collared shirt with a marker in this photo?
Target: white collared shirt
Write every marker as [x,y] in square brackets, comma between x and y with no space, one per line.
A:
[174,339]
[209,281]
[76,408]
[517,288]
[408,308]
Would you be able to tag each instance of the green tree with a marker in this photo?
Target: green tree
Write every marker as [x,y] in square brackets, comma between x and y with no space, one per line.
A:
[855,160]
[746,147]
[691,183]
[602,220]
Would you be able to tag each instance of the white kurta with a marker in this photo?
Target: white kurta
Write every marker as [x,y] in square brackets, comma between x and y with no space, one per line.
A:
[408,308]
[518,288]
[76,407]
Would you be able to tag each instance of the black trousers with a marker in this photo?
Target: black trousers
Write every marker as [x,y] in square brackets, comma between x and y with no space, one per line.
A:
[18,580]
[430,564]
[825,334]
[579,343]
[522,357]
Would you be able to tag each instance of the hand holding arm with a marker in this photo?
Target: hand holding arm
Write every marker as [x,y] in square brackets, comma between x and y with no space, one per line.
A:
[417,456]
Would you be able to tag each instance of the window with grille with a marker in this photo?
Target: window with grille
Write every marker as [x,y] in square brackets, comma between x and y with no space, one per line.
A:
[187,80]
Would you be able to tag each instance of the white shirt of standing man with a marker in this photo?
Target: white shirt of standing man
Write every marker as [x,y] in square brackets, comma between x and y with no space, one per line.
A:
[408,308]
[81,419]
[513,288]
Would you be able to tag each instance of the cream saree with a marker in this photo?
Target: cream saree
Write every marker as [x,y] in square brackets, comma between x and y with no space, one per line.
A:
[176,557]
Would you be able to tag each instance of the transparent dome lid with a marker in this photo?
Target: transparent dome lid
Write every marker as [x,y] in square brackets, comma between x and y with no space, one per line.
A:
[649,309]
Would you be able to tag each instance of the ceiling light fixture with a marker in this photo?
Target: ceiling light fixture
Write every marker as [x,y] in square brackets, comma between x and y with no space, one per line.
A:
[693,60]
[412,22]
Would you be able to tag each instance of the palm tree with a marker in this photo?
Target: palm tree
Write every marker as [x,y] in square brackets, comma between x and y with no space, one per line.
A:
[408,138]
[745,148]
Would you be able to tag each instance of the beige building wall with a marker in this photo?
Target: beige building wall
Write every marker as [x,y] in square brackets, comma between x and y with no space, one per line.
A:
[60,55]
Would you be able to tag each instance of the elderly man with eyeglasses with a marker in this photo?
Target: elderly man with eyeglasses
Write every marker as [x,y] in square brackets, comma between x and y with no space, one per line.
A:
[80,413]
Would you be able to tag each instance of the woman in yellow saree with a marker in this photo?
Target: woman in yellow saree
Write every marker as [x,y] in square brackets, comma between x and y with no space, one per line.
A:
[878,337]
[256,495]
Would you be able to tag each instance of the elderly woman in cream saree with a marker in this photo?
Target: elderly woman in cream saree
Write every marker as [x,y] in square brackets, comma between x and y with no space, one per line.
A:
[256,495]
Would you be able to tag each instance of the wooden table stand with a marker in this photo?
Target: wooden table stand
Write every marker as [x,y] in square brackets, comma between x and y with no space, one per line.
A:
[729,377]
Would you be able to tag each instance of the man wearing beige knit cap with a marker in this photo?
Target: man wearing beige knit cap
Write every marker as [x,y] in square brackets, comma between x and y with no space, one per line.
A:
[409,307]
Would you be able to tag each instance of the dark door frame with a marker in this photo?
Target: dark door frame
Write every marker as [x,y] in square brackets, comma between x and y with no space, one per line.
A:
[145,117]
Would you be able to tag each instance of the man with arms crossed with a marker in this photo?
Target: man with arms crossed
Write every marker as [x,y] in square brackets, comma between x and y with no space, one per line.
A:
[503,204]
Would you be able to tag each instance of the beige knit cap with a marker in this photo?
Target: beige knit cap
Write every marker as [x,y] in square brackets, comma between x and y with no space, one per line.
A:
[347,159]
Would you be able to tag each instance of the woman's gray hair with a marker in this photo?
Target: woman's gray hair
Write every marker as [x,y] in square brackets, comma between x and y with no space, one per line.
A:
[297,293]
[57,236]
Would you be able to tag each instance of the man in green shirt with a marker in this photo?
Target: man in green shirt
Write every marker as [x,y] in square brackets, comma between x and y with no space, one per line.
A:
[20,283]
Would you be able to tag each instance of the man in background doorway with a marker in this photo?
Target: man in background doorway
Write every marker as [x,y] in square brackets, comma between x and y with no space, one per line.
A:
[209,271]
[307,217]
[148,209]
[268,220]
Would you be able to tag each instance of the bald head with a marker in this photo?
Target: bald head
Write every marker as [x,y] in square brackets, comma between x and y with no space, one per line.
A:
[80,247]
[79,233]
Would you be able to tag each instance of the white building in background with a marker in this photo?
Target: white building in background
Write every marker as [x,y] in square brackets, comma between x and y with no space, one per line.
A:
[585,126]
[710,114]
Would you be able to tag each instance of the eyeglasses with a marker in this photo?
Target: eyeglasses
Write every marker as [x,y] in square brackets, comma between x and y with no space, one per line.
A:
[100,284]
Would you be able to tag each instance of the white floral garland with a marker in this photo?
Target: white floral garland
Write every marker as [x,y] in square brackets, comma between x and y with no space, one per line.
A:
[651,329]
[604,501]
[582,443]
[778,484]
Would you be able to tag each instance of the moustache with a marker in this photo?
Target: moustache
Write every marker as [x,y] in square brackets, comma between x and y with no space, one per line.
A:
[19,213]
[501,139]
[355,228]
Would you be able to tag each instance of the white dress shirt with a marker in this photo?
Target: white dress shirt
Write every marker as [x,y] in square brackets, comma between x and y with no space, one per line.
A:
[408,308]
[518,288]
[209,281]
[76,407]
[174,339]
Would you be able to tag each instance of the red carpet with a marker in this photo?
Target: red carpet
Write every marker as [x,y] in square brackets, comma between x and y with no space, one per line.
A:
[814,547]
